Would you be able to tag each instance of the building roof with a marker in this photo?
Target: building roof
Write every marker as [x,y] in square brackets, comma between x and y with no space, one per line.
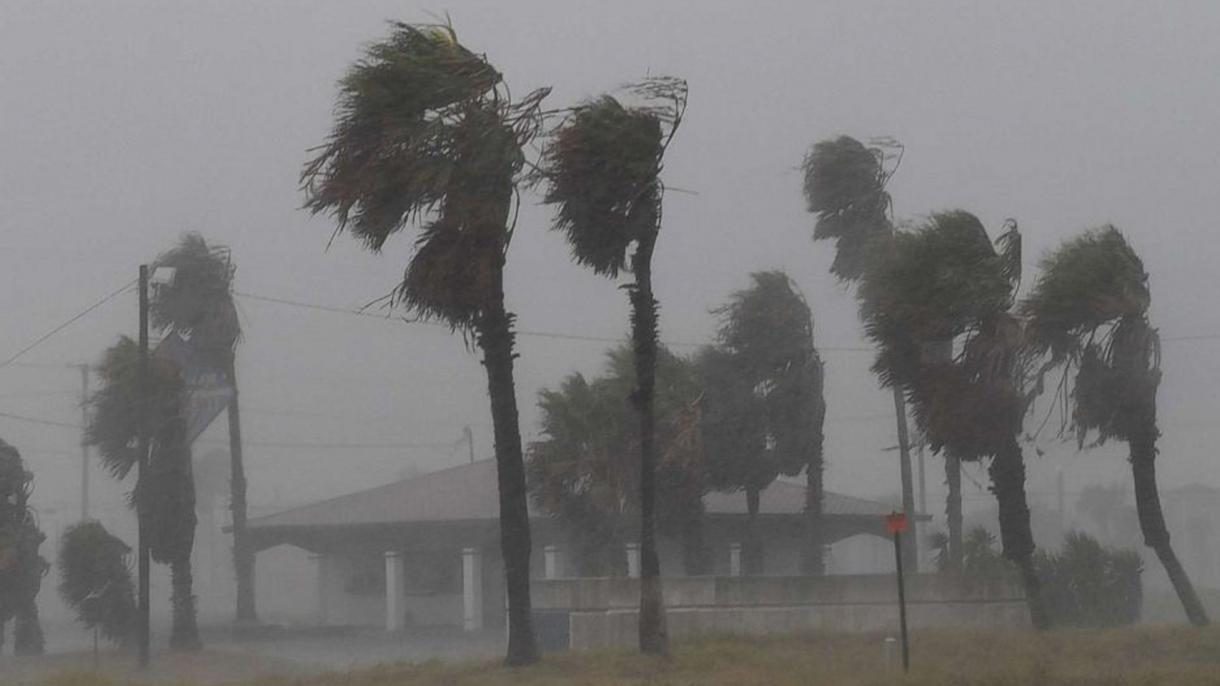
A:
[469,493]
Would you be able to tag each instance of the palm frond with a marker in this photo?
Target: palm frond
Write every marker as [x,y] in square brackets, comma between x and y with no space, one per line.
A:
[198,301]
[844,186]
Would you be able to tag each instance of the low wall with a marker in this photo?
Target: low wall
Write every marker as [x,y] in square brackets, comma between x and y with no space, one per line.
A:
[601,612]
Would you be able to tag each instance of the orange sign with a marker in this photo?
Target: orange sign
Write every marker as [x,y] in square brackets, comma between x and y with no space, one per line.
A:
[896,522]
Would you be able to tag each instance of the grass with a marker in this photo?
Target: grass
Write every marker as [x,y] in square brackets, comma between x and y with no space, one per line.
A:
[1171,655]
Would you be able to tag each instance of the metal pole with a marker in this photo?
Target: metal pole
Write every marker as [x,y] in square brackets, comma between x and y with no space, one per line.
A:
[902,603]
[84,444]
[142,457]
[469,436]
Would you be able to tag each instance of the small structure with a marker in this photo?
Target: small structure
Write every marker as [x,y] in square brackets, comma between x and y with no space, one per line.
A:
[425,550]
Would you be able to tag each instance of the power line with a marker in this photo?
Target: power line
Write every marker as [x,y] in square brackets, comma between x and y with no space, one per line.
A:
[46,336]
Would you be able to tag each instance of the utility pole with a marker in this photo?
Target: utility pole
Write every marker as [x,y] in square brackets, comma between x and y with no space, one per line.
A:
[84,443]
[469,436]
[142,464]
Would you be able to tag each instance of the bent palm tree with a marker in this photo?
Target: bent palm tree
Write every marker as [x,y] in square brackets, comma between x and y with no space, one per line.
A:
[603,168]
[946,281]
[198,304]
[426,132]
[845,186]
[21,566]
[1089,312]
[164,495]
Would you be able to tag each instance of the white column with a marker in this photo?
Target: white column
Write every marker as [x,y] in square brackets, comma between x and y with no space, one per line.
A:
[551,562]
[633,560]
[472,589]
[322,565]
[394,609]
[734,559]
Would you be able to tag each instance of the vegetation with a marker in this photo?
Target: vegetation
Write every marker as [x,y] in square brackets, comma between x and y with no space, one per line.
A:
[763,404]
[95,581]
[164,494]
[1089,313]
[585,468]
[845,188]
[426,132]
[603,170]
[21,566]
[197,303]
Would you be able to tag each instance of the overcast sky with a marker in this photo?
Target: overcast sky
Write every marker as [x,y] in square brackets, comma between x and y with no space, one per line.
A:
[123,124]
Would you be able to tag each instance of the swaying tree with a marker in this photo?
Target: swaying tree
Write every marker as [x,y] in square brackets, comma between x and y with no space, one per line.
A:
[164,495]
[95,581]
[946,281]
[21,567]
[585,468]
[763,403]
[845,188]
[426,132]
[197,303]
[603,169]
[1089,312]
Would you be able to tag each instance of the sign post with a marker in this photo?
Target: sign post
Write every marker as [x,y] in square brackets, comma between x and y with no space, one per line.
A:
[896,523]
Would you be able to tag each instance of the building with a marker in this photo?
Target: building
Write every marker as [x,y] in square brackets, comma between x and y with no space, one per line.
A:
[424,551]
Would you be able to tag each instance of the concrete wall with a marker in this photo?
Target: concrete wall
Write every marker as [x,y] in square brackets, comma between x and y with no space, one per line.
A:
[601,612]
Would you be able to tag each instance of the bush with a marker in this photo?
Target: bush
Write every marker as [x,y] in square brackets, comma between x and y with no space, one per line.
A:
[96,581]
[1088,584]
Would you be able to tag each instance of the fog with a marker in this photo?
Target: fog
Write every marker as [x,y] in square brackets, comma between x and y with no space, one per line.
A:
[125,124]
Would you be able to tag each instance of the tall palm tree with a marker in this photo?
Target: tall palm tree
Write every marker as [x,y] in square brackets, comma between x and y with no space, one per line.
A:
[427,133]
[1089,312]
[845,187]
[197,303]
[21,566]
[766,333]
[164,495]
[603,169]
[946,281]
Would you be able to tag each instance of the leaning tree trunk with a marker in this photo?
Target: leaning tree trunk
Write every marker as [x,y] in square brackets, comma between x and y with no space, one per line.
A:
[953,509]
[1008,484]
[243,555]
[27,631]
[752,549]
[1152,522]
[654,639]
[910,544]
[184,632]
[813,562]
[495,337]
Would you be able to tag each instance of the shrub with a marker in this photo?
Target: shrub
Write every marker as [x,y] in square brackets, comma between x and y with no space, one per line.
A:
[96,580]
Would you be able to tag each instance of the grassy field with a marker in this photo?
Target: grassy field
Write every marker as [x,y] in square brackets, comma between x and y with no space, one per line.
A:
[1171,655]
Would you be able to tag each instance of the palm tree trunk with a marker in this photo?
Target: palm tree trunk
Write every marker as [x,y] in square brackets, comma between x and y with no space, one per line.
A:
[27,631]
[495,337]
[910,544]
[953,509]
[243,556]
[654,639]
[184,632]
[1152,523]
[1008,484]
[813,561]
[752,549]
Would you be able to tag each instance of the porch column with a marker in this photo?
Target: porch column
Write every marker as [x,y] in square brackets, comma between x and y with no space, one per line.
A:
[633,560]
[734,559]
[551,562]
[472,589]
[322,565]
[393,591]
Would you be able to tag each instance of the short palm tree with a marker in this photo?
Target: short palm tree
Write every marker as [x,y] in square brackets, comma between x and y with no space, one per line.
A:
[603,169]
[21,566]
[1089,312]
[426,132]
[766,338]
[197,303]
[845,187]
[164,496]
[946,281]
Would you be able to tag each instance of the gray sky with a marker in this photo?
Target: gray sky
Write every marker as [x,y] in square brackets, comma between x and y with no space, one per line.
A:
[123,124]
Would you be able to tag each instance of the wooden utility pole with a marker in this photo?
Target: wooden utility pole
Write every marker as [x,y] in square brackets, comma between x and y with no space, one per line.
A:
[142,386]
[84,443]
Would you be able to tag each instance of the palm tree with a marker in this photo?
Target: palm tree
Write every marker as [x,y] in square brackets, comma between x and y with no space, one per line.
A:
[426,132]
[164,495]
[946,281]
[95,581]
[197,303]
[21,566]
[845,187]
[768,359]
[1089,313]
[603,169]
